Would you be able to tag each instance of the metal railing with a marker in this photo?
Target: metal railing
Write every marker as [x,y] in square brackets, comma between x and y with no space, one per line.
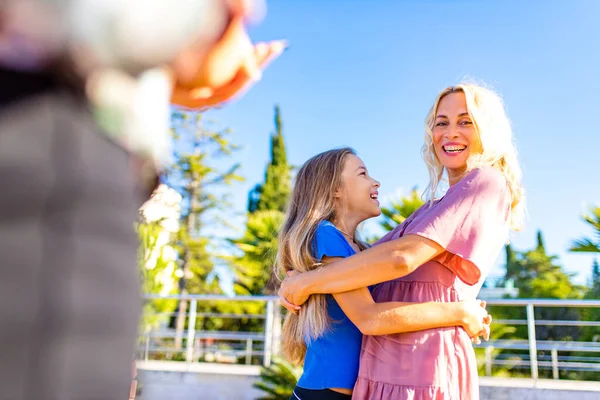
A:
[212,345]
[537,349]
[227,346]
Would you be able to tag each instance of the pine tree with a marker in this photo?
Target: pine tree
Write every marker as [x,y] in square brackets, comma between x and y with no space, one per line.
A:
[274,192]
[266,204]
[540,242]
[194,177]
[513,268]
[539,275]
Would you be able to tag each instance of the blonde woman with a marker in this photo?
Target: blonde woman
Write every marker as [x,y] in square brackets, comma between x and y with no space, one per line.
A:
[442,253]
[333,193]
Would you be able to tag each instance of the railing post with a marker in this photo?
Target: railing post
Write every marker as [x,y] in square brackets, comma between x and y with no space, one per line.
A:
[197,351]
[147,345]
[554,353]
[191,334]
[200,353]
[248,351]
[532,341]
[277,329]
[268,343]
[488,360]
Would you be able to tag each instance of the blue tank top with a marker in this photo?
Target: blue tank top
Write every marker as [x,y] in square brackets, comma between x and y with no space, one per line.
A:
[332,359]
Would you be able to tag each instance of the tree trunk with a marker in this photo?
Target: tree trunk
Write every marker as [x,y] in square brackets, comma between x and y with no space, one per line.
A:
[191,224]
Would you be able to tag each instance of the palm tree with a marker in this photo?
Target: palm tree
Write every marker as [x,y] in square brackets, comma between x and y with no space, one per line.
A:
[278,380]
[400,210]
[587,245]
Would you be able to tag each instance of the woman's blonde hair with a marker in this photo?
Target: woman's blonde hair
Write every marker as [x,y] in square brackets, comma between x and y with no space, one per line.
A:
[497,148]
[312,201]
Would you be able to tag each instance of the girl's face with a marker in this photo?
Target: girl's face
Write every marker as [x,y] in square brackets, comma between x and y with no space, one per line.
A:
[454,135]
[358,193]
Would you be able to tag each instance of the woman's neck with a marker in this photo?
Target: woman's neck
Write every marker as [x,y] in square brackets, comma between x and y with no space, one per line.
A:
[455,175]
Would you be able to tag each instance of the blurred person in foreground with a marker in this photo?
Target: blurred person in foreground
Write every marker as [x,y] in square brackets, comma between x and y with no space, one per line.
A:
[84,110]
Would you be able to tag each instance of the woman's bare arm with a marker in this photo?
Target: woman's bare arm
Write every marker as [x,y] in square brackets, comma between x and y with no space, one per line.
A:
[381,263]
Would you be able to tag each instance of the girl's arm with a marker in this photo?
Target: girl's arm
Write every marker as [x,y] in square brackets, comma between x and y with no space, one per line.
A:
[373,318]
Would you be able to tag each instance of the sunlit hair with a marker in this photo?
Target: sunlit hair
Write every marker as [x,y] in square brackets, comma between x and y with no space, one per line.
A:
[496,144]
[312,201]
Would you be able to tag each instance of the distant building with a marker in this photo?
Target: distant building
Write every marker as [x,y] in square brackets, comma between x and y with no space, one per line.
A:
[492,293]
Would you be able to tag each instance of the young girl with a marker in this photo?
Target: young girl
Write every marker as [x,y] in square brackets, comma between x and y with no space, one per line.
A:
[442,252]
[333,194]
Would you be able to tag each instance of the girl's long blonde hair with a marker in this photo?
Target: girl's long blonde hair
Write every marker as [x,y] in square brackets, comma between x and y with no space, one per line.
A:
[498,150]
[312,201]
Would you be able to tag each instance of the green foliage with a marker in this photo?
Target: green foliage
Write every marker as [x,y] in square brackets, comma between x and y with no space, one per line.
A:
[197,262]
[513,267]
[156,272]
[274,192]
[592,333]
[585,244]
[537,274]
[259,245]
[266,205]
[594,290]
[591,245]
[400,210]
[195,174]
[278,380]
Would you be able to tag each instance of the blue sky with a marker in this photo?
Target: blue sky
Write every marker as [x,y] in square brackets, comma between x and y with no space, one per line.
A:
[364,74]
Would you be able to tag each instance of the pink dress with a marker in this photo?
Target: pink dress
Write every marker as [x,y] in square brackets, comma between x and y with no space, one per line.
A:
[471,222]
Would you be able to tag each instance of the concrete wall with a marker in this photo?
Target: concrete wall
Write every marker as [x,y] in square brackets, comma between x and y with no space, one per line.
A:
[158,385]
[542,389]
[163,380]
[178,381]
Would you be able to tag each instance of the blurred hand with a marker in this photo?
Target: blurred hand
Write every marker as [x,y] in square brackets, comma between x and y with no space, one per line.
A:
[474,319]
[485,332]
[206,78]
[226,78]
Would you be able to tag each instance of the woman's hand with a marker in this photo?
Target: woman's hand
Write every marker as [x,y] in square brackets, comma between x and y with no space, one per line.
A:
[485,332]
[476,320]
[290,292]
